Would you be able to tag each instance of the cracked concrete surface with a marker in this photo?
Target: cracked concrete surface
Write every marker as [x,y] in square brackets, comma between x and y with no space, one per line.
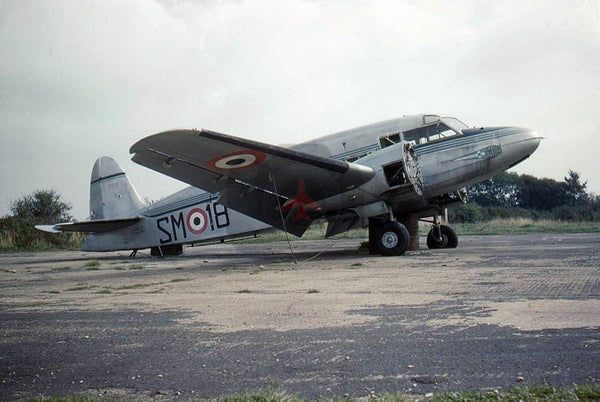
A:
[236,317]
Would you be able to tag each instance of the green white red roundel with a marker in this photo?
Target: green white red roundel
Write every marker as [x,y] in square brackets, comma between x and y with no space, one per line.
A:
[197,221]
[236,160]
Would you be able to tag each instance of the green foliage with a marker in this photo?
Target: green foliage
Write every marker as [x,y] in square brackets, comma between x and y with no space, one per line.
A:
[500,190]
[543,194]
[468,213]
[575,194]
[473,213]
[17,234]
[41,207]
[511,196]
[529,192]
[524,226]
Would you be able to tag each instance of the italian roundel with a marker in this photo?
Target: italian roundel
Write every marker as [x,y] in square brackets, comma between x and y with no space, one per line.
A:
[197,221]
[236,160]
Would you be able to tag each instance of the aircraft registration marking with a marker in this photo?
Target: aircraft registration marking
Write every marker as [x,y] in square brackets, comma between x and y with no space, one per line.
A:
[176,228]
[236,160]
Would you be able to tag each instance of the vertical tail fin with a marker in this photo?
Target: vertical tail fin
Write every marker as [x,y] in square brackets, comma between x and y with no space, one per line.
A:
[111,194]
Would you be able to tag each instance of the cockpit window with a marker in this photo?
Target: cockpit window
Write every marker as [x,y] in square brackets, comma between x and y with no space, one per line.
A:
[434,128]
[443,128]
[454,123]
[429,133]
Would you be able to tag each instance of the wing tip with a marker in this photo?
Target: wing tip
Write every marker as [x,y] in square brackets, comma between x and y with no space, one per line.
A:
[143,143]
[47,228]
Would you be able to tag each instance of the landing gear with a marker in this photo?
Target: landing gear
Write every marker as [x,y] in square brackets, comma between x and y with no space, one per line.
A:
[442,236]
[171,249]
[388,238]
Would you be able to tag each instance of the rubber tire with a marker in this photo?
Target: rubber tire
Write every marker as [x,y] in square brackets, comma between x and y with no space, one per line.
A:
[392,239]
[450,238]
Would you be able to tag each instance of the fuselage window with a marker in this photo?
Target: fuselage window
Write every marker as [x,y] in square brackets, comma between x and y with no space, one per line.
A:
[388,140]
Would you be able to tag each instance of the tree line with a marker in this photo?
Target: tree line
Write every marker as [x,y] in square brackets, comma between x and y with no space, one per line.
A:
[506,195]
[510,195]
[42,207]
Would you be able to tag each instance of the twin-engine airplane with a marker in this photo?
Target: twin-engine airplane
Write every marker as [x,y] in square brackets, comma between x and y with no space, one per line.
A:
[385,176]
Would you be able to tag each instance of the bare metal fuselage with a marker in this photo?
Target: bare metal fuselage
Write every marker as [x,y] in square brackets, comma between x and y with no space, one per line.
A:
[412,176]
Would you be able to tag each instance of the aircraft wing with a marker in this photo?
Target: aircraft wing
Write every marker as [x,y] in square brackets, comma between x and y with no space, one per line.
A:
[260,180]
[97,226]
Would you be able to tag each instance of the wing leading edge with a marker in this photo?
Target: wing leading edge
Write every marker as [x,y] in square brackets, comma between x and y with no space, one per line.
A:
[260,180]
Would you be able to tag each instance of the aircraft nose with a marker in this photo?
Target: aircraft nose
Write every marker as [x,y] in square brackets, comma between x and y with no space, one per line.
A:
[517,143]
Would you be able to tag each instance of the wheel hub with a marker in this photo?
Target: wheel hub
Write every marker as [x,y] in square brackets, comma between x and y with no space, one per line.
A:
[389,239]
[443,241]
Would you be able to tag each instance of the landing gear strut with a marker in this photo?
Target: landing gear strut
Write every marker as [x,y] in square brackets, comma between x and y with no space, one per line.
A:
[170,249]
[441,236]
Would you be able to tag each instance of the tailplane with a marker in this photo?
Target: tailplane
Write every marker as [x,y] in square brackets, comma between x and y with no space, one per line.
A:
[111,194]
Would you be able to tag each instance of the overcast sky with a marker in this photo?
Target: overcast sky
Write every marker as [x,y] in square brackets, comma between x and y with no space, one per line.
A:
[82,79]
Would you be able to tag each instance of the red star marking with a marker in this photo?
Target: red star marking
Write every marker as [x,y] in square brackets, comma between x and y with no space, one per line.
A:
[302,201]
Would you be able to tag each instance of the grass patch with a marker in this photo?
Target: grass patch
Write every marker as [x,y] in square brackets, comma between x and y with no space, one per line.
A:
[283,260]
[137,266]
[92,263]
[119,268]
[523,226]
[60,268]
[92,269]
[493,227]
[104,292]
[78,288]
[312,291]
[527,393]
[153,292]
[180,280]
[457,293]
[138,286]
[357,264]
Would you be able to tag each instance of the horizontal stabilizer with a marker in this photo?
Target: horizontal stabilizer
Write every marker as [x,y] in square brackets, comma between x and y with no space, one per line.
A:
[97,226]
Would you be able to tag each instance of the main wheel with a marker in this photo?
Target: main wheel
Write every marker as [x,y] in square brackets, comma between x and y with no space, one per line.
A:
[449,238]
[392,239]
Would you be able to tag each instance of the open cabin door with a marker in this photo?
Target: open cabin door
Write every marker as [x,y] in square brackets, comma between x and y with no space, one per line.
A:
[405,173]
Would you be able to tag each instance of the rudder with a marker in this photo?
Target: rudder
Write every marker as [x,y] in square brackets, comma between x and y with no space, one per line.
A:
[111,194]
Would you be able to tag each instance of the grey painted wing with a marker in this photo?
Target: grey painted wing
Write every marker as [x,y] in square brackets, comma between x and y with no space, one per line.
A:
[254,178]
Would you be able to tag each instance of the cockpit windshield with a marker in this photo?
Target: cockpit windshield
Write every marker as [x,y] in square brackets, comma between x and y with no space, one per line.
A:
[433,128]
[438,129]
[454,123]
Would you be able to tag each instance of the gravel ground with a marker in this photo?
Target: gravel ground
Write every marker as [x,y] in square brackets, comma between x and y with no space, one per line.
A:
[243,317]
